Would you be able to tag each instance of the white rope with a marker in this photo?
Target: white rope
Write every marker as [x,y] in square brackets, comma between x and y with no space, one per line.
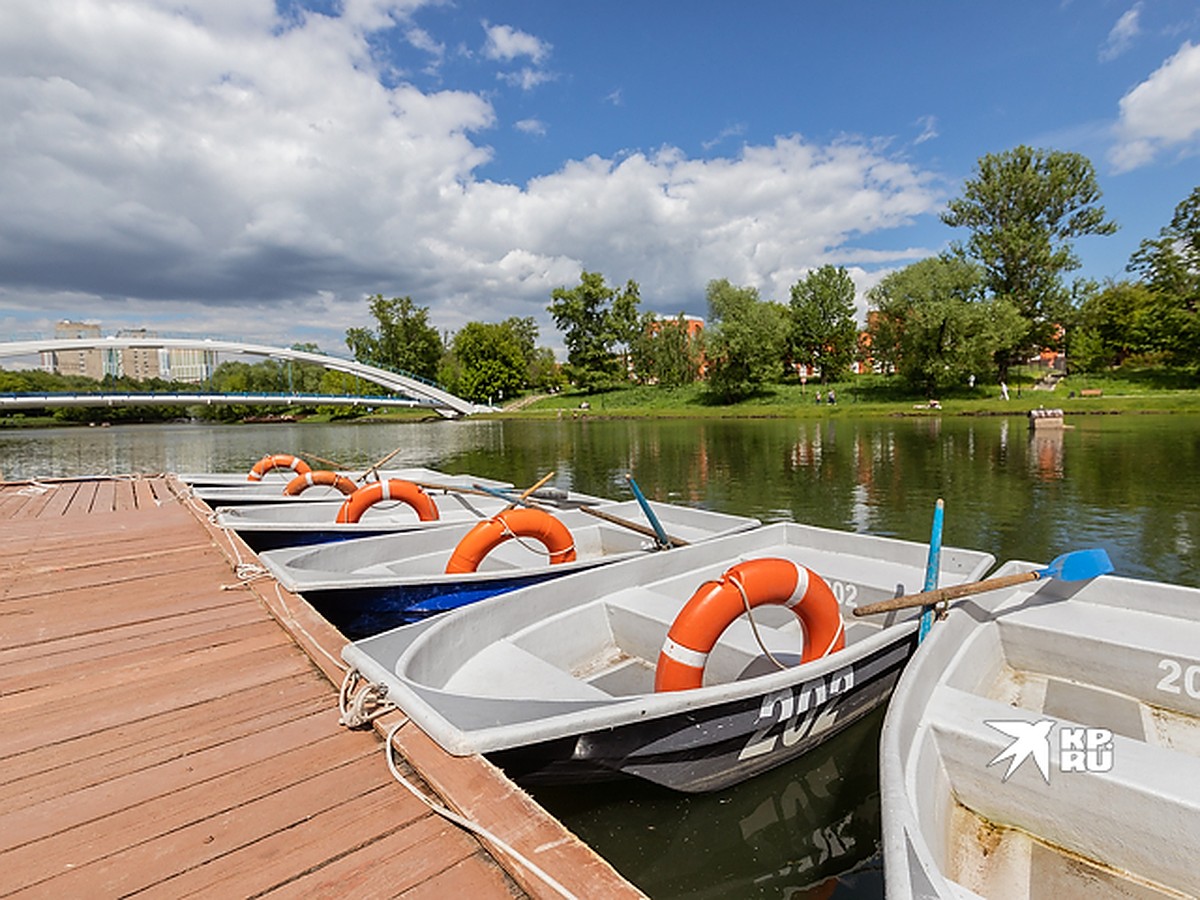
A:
[732,579]
[541,550]
[462,822]
[364,706]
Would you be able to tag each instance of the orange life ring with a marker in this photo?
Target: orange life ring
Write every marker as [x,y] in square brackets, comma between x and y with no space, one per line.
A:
[324,477]
[277,461]
[525,522]
[393,489]
[716,604]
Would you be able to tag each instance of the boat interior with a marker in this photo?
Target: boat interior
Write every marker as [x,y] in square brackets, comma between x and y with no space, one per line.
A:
[1115,664]
[608,647]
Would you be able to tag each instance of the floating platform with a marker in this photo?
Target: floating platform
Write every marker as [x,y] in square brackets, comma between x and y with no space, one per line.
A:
[171,727]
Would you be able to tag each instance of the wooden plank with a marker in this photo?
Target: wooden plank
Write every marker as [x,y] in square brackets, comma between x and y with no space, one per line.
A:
[386,867]
[79,761]
[133,703]
[193,826]
[105,497]
[86,684]
[277,859]
[36,663]
[107,798]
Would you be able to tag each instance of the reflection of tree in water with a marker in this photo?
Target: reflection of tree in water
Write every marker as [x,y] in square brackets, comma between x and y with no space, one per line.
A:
[787,832]
[883,476]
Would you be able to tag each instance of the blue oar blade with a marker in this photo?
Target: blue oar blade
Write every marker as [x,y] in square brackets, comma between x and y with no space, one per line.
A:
[1078,565]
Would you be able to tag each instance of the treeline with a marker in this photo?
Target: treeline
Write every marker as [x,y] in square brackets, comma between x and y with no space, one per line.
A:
[993,301]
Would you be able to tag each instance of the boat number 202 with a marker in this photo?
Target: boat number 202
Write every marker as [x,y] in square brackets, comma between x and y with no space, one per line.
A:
[1179,679]
[789,715]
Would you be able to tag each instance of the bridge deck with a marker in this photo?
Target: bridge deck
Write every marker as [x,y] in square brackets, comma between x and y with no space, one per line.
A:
[164,734]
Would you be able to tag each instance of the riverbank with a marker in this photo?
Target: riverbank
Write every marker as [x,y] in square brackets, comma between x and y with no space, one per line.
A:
[864,397]
[793,401]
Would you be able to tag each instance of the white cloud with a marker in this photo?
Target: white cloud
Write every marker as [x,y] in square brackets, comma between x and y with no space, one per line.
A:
[233,172]
[1127,28]
[929,130]
[531,126]
[505,44]
[526,78]
[1161,114]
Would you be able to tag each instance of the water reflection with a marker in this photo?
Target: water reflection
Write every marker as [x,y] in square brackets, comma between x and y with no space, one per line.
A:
[1125,483]
[806,830]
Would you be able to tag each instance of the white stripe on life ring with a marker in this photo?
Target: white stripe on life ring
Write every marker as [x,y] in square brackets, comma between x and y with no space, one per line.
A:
[801,588]
[684,655]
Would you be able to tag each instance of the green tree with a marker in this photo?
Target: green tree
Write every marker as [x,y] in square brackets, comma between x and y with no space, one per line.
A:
[1023,209]
[932,325]
[824,333]
[1170,266]
[492,362]
[593,317]
[666,351]
[404,340]
[745,341]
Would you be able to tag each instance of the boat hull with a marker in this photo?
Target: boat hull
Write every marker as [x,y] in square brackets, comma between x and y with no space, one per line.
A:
[715,747]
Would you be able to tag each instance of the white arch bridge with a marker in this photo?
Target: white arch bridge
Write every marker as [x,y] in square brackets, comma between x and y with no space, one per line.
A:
[415,390]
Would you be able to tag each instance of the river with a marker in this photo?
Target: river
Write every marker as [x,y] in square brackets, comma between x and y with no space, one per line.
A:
[1126,483]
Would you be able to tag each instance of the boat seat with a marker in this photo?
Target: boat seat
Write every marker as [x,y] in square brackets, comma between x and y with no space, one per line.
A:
[1130,817]
[504,670]
[1127,651]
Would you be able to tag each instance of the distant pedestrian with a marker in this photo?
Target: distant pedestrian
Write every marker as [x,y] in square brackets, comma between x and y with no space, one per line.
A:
[971,381]
[1004,390]
[818,398]
[832,397]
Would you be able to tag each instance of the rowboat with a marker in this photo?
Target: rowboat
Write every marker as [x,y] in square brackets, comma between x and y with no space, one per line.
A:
[270,526]
[593,675]
[370,584]
[272,490]
[1045,741]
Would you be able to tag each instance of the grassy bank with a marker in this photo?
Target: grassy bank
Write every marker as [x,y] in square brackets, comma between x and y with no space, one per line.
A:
[868,396]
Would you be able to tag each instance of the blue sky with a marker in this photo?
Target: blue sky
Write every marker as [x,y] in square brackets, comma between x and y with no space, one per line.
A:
[246,167]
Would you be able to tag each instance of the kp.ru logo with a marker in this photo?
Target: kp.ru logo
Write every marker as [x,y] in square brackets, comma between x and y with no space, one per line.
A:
[1079,749]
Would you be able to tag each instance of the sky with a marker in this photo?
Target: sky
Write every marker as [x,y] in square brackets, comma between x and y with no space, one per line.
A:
[259,168]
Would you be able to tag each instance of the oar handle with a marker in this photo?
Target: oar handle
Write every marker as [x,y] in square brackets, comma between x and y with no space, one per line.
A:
[541,482]
[633,526]
[946,594]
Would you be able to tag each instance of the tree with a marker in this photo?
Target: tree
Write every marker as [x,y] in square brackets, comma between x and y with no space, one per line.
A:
[491,360]
[1170,266]
[666,351]
[824,332]
[591,327]
[933,326]
[1023,208]
[405,341]
[745,341]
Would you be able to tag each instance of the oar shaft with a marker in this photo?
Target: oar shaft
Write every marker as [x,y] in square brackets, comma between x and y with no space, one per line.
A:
[944,595]
[600,513]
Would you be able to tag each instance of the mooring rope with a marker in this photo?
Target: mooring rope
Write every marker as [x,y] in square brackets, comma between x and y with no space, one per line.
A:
[473,827]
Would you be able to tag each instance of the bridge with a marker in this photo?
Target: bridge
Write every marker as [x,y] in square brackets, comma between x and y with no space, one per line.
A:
[417,390]
[35,400]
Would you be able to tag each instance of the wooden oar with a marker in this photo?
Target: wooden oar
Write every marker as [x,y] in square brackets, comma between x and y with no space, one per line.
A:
[1078,565]
[375,467]
[541,482]
[600,513]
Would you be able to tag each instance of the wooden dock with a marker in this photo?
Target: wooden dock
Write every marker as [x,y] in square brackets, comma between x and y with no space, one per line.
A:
[170,728]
